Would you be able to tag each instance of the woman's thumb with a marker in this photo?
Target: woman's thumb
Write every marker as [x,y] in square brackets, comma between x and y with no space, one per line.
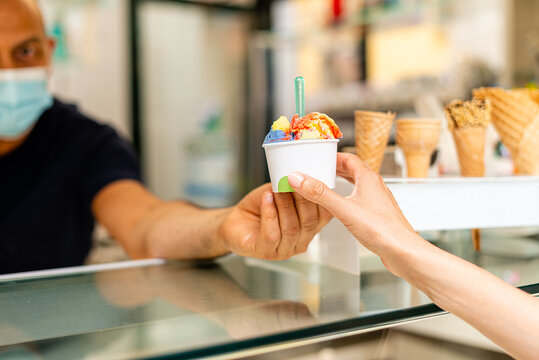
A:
[317,192]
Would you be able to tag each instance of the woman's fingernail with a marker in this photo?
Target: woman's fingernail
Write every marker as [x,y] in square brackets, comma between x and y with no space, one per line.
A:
[269,198]
[295,179]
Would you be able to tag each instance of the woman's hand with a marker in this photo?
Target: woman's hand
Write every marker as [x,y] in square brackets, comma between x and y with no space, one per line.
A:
[370,213]
[510,318]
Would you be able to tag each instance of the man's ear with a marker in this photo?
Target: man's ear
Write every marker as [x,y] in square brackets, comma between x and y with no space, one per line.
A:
[51,46]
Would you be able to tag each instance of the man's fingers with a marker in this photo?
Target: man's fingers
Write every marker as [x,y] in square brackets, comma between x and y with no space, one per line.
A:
[317,192]
[309,219]
[270,229]
[289,223]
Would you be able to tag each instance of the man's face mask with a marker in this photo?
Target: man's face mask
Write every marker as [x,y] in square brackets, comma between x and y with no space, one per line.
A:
[23,98]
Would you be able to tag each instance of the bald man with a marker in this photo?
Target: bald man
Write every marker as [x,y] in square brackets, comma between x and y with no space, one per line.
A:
[60,171]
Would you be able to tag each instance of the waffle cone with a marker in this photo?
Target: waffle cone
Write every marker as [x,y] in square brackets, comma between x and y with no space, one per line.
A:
[531,93]
[418,139]
[372,134]
[527,159]
[470,143]
[512,113]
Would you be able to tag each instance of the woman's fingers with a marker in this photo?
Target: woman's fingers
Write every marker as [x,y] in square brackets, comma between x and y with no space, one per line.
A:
[350,167]
[317,192]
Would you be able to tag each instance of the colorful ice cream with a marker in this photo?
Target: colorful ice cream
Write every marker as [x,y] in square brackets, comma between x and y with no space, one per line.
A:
[313,126]
[280,131]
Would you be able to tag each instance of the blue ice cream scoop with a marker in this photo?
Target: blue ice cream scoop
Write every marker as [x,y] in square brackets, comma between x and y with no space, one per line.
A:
[276,136]
[279,130]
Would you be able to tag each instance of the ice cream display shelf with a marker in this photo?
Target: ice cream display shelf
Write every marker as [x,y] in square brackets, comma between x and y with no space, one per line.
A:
[466,203]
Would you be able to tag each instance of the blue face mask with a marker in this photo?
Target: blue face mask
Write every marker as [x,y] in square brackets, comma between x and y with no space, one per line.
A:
[23,99]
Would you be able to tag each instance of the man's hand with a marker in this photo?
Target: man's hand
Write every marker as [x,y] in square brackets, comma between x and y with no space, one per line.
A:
[272,226]
[262,225]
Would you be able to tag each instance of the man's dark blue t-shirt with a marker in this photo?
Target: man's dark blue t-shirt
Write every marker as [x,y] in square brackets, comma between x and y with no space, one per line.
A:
[47,186]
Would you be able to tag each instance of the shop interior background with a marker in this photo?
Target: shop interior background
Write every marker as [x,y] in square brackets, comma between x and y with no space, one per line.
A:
[196,87]
[211,75]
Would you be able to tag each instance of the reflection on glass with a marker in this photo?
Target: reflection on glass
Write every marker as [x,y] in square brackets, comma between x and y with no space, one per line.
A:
[234,304]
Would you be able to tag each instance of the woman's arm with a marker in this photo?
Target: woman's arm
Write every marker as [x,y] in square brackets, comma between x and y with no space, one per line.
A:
[506,315]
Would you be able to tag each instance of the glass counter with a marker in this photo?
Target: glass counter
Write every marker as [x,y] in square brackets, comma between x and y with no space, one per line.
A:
[228,308]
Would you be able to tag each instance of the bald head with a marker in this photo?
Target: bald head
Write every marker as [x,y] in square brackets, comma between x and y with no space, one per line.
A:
[23,42]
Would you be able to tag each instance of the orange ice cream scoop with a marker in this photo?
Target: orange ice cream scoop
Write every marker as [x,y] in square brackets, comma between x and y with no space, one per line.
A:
[315,126]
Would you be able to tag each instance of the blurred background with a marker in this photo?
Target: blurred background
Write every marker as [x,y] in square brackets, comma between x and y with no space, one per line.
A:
[195,84]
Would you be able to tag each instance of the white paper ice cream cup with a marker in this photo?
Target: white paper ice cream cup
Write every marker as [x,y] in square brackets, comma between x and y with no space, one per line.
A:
[316,158]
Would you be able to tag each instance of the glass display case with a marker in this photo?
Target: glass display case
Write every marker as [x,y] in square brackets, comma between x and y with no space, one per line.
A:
[229,308]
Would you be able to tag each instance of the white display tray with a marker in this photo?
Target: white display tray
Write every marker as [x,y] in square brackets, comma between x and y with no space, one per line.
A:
[465,203]
[442,204]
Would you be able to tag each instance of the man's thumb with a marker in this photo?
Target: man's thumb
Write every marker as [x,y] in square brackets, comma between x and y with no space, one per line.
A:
[317,192]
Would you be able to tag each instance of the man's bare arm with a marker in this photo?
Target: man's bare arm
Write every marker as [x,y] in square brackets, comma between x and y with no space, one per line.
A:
[263,224]
[147,226]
